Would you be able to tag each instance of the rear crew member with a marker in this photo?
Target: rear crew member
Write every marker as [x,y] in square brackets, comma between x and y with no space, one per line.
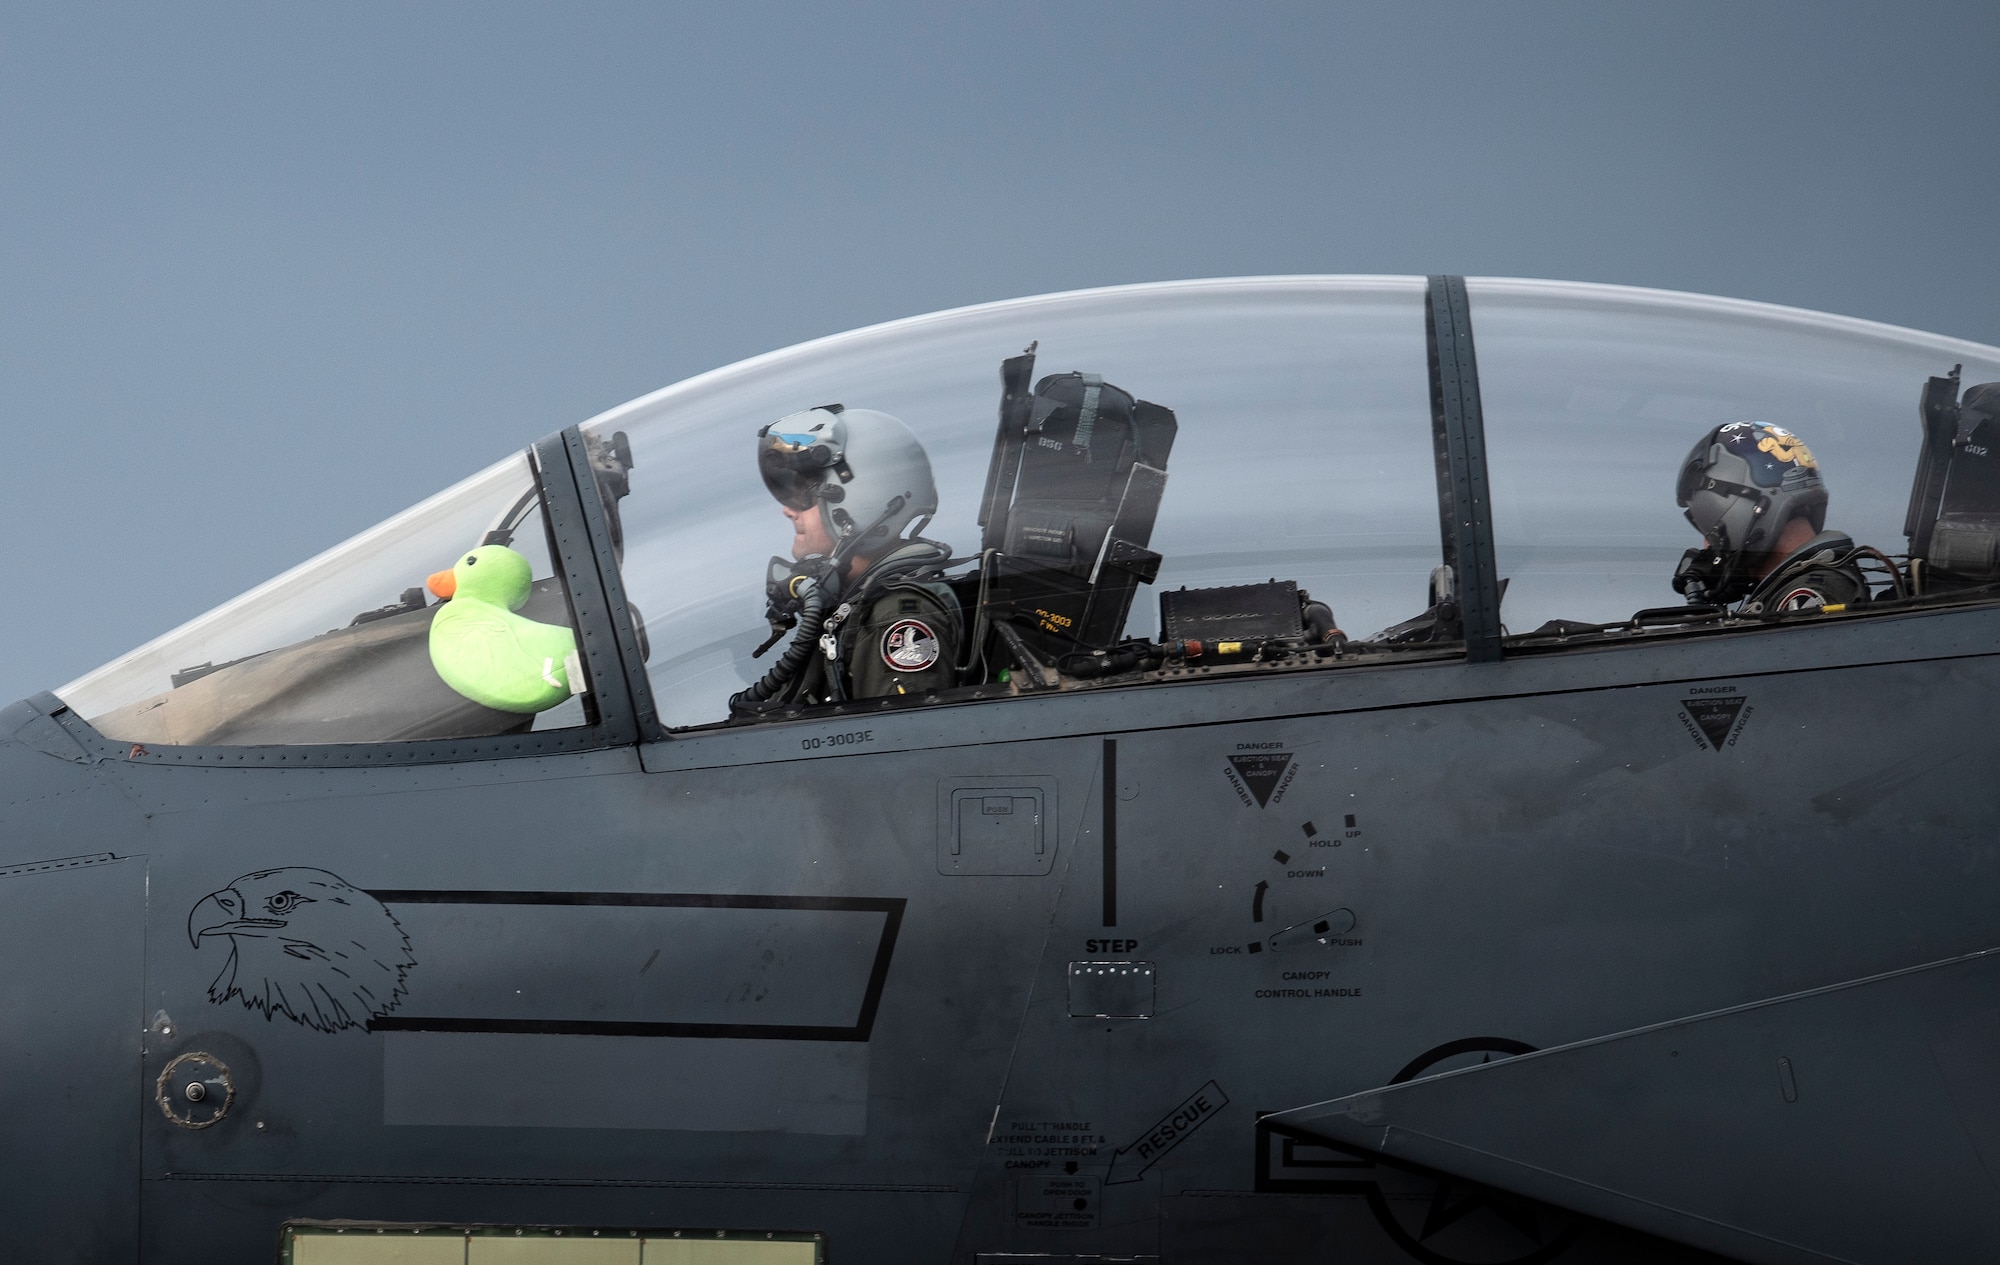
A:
[863,594]
[1755,494]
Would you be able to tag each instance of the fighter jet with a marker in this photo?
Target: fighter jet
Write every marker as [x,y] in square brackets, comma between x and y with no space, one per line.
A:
[1361,769]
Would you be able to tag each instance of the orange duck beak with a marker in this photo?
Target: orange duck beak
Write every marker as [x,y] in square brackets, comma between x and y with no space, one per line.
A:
[443,584]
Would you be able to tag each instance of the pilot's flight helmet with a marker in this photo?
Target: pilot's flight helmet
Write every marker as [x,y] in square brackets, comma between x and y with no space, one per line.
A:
[1744,481]
[865,470]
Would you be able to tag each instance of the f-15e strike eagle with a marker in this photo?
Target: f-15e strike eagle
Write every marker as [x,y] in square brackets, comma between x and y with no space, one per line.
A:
[1361,769]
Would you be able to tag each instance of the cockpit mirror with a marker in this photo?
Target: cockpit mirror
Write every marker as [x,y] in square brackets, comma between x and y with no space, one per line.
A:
[611,466]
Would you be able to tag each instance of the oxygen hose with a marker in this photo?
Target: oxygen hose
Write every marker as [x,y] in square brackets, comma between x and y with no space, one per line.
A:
[812,614]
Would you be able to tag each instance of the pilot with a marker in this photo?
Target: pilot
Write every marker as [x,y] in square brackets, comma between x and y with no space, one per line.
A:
[1754,492]
[863,591]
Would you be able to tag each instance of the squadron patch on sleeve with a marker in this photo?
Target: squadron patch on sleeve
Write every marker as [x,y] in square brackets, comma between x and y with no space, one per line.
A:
[1800,599]
[909,645]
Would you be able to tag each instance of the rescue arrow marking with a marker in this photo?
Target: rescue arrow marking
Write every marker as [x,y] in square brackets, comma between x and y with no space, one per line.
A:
[1129,1163]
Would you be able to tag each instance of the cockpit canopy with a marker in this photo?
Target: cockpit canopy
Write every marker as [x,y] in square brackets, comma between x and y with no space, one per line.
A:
[1153,472]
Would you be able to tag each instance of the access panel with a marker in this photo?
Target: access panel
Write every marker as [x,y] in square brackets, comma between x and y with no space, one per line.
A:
[72,932]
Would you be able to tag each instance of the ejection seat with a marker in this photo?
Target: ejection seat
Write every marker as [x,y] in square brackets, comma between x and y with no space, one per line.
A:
[1078,470]
[1953,520]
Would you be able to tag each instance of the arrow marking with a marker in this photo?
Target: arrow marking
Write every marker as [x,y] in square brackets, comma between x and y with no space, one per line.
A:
[1129,1163]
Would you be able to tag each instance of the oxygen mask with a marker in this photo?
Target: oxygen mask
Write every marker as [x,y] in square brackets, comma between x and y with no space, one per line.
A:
[1707,576]
[785,586]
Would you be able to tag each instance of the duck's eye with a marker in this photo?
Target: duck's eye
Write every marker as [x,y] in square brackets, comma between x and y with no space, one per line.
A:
[470,560]
[286,902]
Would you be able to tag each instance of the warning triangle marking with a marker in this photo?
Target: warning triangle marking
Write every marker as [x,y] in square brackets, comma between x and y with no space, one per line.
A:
[1260,773]
[1715,716]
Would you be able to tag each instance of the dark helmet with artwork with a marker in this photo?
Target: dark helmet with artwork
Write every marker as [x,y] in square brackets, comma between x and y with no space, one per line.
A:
[1739,487]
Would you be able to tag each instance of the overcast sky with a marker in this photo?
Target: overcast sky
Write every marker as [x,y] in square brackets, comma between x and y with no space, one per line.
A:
[271,273]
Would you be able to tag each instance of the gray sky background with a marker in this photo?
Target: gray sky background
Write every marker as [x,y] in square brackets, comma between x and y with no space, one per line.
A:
[271,273]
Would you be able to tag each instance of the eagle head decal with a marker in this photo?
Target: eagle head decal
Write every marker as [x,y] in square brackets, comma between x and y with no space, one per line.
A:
[305,945]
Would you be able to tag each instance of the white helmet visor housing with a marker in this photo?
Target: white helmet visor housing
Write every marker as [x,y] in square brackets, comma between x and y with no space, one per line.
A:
[865,469]
[796,453]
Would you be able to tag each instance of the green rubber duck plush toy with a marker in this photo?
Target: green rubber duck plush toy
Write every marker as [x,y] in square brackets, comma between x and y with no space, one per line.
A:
[483,649]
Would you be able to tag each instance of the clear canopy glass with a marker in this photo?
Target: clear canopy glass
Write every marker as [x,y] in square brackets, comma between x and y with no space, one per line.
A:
[1594,395]
[1228,451]
[340,648]
[1303,452]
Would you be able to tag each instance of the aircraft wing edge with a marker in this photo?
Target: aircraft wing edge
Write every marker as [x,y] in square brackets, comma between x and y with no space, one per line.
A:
[1858,1122]
[1411,1148]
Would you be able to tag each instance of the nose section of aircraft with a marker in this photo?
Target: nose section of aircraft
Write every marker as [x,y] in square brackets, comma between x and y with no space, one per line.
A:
[214,912]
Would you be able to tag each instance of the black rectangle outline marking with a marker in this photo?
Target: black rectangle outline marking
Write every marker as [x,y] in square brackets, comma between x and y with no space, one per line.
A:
[1265,1184]
[890,907]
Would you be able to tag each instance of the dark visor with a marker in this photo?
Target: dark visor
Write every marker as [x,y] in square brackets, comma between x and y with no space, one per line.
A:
[1691,474]
[792,466]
